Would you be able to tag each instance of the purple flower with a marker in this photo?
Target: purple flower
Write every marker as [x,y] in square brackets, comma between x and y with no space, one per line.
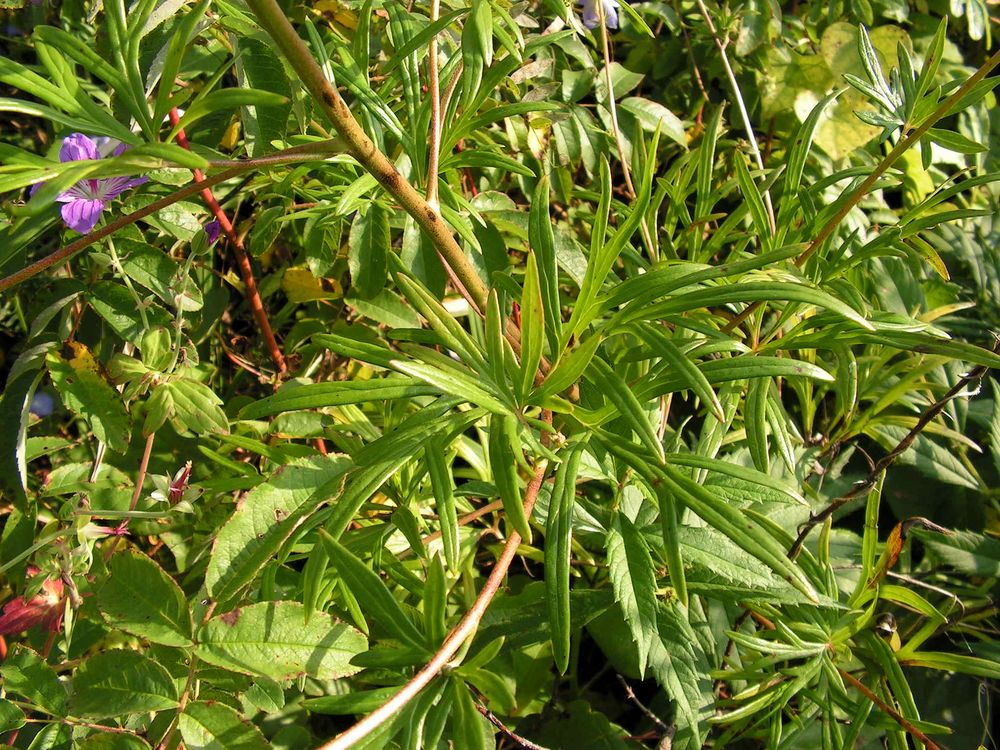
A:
[42,404]
[591,16]
[213,229]
[88,198]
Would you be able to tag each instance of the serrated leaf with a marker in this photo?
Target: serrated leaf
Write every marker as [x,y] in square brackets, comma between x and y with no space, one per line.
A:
[86,392]
[210,725]
[26,674]
[120,682]
[140,598]
[11,717]
[633,579]
[273,639]
[190,405]
[265,518]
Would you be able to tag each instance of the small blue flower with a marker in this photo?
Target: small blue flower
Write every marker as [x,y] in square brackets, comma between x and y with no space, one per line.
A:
[42,404]
[88,198]
[591,16]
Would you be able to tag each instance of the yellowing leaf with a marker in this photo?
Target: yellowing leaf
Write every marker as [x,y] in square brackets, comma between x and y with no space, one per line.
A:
[301,286]
[85,391]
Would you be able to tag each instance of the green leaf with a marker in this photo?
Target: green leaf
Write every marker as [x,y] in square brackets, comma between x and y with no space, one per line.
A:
[681,666]
[11,717]
[266,517]
[190,405]
[369,248]
[657,340]
[120,682]
[443,486]
[274,640]
[954,663]
[210,725]
[228,100]
[652,115]
[294,396]
[85,391]
[542,243]
[26,674]
[114,741]
[452,379]
[503,442]
[625,402]
[558,549]
[369,588]
[965,551]
[930,458]
[259,66]
[114,303]
[532,327]
[633,579]
[140,598]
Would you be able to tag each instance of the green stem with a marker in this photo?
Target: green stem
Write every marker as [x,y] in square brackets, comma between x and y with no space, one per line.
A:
[361,147]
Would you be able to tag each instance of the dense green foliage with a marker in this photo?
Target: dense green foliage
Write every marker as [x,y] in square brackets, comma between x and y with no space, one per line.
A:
[703,383]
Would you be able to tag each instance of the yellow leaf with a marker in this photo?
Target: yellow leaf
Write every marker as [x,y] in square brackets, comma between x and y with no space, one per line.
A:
[301,286]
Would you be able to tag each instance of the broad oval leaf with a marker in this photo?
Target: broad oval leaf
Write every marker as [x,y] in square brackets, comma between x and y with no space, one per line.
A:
[275,640]
[121,682]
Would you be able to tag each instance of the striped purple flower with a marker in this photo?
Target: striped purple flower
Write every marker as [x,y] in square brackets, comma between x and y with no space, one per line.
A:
[85,201]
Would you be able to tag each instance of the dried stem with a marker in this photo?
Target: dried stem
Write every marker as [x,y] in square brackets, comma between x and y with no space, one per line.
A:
[246,271]
[462,632]
[516,738]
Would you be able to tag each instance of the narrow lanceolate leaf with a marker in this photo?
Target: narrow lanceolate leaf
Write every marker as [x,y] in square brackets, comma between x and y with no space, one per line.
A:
[435,458]
[502,439]
[755,423]
[755,202]
[542,242]
[273,639]
[210,725]
[336,393]
[617,391]
[119,682]
[85,391]
[532,327]
[140,598]
[558,543]
[738,527]
[684,368]
[369,248]
[367,587]
[264,519]
[452,381]
[633,579]
[720,515]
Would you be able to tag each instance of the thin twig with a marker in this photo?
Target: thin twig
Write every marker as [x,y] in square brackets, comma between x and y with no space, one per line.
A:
[434,89]
[246,271]
[864,486]
[744,115]
[465,629]
[900,719]
[630,694]
[295,155]
[495,721]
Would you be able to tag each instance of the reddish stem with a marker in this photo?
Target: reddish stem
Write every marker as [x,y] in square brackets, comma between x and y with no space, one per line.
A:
[253,296]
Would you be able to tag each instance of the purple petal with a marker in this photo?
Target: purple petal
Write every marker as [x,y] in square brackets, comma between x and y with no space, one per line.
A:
[75,193]
[42,404]
[78,147]
[112,187]
[213,229]
[82,215]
